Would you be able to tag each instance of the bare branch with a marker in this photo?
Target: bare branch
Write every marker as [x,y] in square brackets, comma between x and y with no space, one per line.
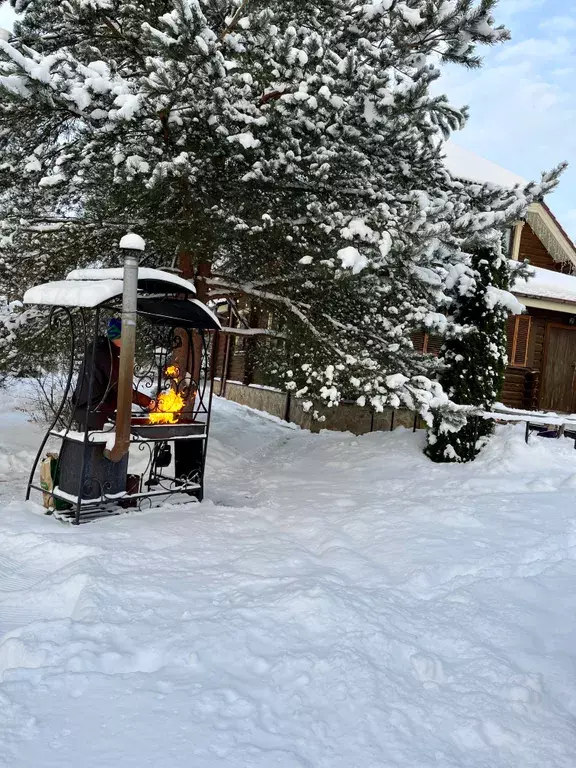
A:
[293,307]
[254,332]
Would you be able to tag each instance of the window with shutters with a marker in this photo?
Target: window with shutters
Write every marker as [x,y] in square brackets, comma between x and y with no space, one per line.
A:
[427,343]
[518,339]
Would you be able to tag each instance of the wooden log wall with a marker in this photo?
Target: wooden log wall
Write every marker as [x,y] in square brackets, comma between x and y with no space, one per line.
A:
[522,383]
[532,249]
[523,375]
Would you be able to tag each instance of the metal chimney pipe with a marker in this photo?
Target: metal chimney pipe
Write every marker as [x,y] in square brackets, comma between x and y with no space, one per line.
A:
[132,245]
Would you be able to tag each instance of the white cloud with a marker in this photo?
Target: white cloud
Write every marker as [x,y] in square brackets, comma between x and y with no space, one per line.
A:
[523,111]
[523,101]
[536,48]
[559,24]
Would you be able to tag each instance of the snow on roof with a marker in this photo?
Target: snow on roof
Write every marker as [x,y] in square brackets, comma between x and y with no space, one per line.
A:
[546,284]
[144,273]
[74,293]
[464,164]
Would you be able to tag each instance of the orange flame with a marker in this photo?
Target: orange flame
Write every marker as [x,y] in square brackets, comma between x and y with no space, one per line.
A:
[168,406]
[173,371]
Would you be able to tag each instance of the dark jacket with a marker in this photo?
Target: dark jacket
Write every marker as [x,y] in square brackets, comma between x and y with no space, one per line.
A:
[102,362]
[103,368]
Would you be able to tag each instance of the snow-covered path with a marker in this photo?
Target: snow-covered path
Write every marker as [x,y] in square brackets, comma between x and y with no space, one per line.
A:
[338,602]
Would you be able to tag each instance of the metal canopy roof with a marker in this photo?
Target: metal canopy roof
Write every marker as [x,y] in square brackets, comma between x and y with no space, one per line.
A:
[149,280]
[159,296]
[185,313]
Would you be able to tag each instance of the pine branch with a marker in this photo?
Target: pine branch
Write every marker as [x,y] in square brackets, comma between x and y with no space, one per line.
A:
[293,307]
[235,19]
[119,34]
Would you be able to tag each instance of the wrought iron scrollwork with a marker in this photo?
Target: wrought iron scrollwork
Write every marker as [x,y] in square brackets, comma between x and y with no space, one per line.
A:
[53,319]
[183,364]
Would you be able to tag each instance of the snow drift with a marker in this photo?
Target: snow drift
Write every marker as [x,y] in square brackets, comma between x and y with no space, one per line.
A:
[337,602]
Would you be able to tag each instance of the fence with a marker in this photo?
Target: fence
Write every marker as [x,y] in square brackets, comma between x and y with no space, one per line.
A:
[347,417]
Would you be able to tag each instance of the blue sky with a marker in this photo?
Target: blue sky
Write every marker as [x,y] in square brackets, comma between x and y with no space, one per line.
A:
[523,101]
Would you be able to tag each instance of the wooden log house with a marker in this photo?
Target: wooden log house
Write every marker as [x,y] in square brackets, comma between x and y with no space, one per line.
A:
[542,343]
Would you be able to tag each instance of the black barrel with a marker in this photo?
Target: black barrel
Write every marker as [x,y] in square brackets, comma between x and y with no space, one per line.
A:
[100,478]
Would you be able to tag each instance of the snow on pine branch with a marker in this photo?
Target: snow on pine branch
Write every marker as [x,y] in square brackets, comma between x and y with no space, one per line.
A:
[253,332]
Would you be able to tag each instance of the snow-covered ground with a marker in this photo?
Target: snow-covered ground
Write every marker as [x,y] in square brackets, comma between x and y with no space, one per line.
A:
[337,602]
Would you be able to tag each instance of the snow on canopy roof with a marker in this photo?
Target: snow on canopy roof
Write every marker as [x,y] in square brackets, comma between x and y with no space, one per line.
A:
[93,293]
[74,293]
[545,284]
[144,273]
[463,164]
[91,287]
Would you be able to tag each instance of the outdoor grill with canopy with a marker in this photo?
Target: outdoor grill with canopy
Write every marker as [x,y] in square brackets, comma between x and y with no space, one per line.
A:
[171,441]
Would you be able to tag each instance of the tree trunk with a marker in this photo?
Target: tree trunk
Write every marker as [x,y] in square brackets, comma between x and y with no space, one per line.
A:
[202,292]
[250,345]
[189,360]
[181,354]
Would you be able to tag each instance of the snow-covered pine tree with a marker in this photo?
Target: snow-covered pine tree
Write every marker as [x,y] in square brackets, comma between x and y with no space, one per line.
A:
[293,147]
[475,360]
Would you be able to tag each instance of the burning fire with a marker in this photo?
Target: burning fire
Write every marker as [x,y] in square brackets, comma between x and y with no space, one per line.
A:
[172,371]
[168,406]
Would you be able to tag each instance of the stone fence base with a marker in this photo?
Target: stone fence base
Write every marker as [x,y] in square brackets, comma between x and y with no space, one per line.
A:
[347,417]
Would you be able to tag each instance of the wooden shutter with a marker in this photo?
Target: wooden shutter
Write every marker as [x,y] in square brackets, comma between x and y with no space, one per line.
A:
[419,341]
[434,344]
[522,338]
[427,343]
[510,335]
[237,365]
[518,339]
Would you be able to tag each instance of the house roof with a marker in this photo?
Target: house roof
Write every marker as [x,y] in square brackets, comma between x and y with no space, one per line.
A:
[468,166]
[551,234]
[547,290]
[546,284]
[464,164]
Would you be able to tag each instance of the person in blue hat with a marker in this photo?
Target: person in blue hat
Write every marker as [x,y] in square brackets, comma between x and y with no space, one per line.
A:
[92,409]
[114,331]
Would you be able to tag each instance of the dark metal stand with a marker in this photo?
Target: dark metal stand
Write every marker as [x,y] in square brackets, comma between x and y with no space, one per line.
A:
[91,486]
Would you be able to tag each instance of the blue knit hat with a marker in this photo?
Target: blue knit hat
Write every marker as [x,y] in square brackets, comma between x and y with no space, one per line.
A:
[114,330]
